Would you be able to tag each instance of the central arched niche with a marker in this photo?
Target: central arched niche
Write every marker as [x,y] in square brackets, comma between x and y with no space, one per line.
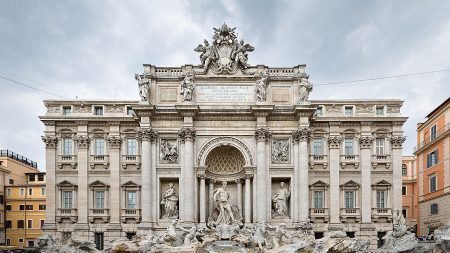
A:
[225,161]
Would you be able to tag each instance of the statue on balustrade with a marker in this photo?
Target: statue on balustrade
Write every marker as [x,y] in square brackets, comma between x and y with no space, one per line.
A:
[280,202]
[187,88]
[170,203]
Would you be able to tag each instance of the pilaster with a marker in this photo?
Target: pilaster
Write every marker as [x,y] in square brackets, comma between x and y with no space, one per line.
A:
[82,141]
[365,143]
[50,160]
[262,135]
[302,136]
[187,135]
[114,143]
[334,142]
[396,145]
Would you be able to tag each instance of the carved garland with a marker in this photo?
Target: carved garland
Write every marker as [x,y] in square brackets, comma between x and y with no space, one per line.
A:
[225,140]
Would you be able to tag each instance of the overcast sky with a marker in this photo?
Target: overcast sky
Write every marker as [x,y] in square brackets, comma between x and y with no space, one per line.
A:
[91,49]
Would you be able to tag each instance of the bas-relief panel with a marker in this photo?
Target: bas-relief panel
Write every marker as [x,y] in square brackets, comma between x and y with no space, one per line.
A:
[281,151]
[168,94]
[283,124]
[168,151]
[167,124]
[225,124]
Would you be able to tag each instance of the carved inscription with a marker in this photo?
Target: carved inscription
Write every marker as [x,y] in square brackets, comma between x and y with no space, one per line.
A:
[225,93]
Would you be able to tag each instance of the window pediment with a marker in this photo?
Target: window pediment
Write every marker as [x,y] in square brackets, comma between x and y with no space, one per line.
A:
[67,185]
[382,185]
[319,185]
[98,184]
[130,184]
[350,185]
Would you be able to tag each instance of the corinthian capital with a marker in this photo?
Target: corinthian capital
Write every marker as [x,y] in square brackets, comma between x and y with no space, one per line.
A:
[303,134]
[82,141]
[114,141]
[365,141]
[146,134]
[262,134]
[187,134]
[397,141]
[334,141]
[50,141]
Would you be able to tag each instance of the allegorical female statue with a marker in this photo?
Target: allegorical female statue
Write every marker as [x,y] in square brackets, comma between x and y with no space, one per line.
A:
[280,201]
[170,203]
[144,88]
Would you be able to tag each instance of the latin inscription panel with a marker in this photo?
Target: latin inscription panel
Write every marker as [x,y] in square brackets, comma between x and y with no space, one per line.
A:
[225,93]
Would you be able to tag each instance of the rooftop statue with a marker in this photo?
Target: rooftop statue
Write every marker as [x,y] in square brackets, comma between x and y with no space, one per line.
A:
[226,55]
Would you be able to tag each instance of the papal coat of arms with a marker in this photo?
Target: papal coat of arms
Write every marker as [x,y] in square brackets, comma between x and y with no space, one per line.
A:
[226,55]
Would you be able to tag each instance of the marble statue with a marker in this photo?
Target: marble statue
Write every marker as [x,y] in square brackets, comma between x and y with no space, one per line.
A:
[305,88]
[280,232]
[226,55]
[170,203]
[280,202]
[399,239]
[260,235]
[222,198]
[261,86]
[169,151]
[187,88]
[191,236]
[144,88]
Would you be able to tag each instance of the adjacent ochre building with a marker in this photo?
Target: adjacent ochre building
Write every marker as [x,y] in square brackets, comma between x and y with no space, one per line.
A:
[25,211]
[121,167]
[433,169]
[409,191]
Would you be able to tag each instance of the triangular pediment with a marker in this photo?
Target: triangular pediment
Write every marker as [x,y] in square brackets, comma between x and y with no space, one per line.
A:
[319,183]
[65,183]
[98,183]
[130,184]
[350,184]
[382,183]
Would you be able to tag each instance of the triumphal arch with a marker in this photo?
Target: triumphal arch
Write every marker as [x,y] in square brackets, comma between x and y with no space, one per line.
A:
[222,141]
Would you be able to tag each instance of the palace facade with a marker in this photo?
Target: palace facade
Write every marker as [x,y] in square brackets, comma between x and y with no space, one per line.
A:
[120,168]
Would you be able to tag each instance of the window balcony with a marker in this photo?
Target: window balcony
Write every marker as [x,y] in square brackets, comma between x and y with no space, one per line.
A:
[349,160]
[67,160]
[99,213]
[67,213]
[130,214]
[348,214]
[381,159]
[381,213]
[131,160]
[318,160]
[319,214]
[99,160]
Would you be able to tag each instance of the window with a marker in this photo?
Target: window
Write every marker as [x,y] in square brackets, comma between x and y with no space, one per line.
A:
[98,110]
[404,170]
[432,159]
[20,224]
[129,111]
[433,133]
[380,110]
[99,146]
[8,192]
[67,110]
[22,192]
[42,207]
[348,144]
[434,208]
[41,178]
[8,207]
[8,224]
[8,242]
[30,192]
[20,240]
[433,183]
[67,199]
[381,199]
[349,199]
[318,146]
[348,110]
[99,241]
[30,207]
[11,181]
[403,190]
[43,191]
[1,199]
[404,213]
[318,199]
[30,224]
[379,146]
[319,111]
[42,223]
[30,244]
[131,200]
[21,207]
[67,146]
[32,178]
[131,146]
[99,199]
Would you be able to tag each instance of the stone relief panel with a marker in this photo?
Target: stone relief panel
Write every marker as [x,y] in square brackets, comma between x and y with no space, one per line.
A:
[280,151]
[169,195]
[281,194]
[168,151]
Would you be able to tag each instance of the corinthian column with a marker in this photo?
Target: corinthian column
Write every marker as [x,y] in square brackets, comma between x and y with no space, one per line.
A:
[396,145]
[365,142]
[248,198]
[334,204]
[187,174]
[302,137]
[145,135]
[114,159]
[262,135]
[50,160]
